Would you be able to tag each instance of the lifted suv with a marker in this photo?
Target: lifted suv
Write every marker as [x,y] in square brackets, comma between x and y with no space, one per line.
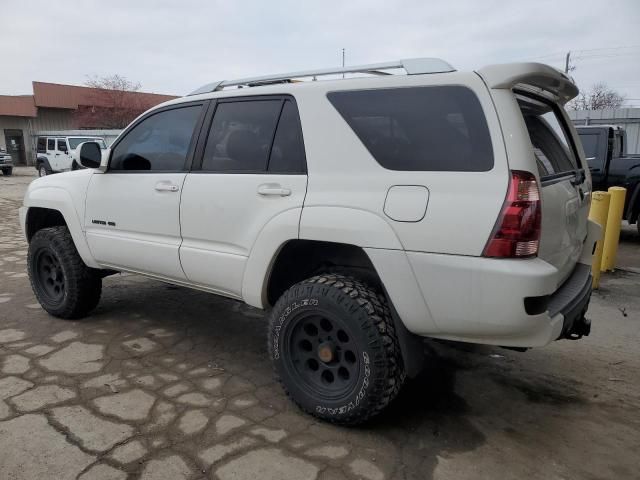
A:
[363,213]
[55,154]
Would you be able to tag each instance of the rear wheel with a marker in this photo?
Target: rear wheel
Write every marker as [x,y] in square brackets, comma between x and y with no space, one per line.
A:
[333,346]
[7,171]
[62,283]
[42,170]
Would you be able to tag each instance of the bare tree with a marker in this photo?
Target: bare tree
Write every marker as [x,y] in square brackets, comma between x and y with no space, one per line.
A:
[598,98]
[113,102]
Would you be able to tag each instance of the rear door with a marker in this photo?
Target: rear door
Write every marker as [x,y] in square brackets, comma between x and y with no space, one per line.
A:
[565,190]
[253,169]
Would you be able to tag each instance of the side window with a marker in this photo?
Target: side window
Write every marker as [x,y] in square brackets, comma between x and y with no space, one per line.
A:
[42,145]
[62,145]
[419,128]
[240,136]
[590,146]
[51,144]
[158,143]
[287,153]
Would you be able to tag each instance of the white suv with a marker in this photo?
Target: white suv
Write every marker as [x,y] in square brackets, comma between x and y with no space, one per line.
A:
[56,154]
[363,213]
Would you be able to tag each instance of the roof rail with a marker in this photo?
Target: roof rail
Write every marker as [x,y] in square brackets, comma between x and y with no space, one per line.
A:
[412,66]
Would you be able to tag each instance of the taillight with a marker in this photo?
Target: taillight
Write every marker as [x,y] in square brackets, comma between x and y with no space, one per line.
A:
[517,230]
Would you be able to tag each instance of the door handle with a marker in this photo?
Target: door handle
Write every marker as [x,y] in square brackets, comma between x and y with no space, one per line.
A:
[166,187]
[273,189]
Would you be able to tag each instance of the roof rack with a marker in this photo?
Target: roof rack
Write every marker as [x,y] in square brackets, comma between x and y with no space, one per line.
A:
[412,66]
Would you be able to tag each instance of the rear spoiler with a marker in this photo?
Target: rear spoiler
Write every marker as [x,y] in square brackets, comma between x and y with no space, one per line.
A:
[537,76]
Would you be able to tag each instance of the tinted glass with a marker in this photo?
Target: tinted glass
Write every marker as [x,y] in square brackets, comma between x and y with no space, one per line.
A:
[51,144]
[240,136]
[158,143]
[551,145]
[590,146]
[287,153]
[42,145]
[62,145]
[419,129]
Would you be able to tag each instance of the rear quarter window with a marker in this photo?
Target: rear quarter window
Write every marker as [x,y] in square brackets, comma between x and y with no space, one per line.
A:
[419,128]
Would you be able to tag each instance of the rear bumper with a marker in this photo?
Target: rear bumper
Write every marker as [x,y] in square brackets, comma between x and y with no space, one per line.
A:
[571,301]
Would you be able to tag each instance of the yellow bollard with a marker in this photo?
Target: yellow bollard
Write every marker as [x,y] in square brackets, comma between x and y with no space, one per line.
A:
[612,233]
[598,213]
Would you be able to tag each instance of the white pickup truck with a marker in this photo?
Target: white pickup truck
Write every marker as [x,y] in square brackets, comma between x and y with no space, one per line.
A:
[55,154]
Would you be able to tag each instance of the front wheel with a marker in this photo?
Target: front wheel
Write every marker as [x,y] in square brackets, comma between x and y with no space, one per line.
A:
[333,346]
[7,171]
[62,283]
[42,170]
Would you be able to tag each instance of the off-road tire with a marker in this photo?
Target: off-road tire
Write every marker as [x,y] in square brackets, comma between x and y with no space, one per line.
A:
[366,314]
[7,171]
[82,286]
[43,171]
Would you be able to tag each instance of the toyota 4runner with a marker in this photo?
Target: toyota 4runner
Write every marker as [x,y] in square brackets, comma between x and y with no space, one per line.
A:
[363,213]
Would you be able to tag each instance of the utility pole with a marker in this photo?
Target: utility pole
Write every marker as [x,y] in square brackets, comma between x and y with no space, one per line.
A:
[566,62]
[343,61]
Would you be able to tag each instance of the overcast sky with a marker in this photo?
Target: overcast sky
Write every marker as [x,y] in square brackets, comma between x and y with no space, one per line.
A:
[175,46]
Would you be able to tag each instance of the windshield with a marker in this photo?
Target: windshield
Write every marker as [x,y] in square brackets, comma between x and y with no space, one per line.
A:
[74,142]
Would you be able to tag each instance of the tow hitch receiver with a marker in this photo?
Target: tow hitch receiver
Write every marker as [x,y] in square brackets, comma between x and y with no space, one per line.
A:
[581,328]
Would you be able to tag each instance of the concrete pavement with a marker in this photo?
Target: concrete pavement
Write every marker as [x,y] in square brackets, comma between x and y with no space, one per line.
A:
[164,382]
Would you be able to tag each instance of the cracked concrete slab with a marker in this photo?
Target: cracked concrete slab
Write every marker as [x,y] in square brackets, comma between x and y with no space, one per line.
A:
[129,452]
[192,422]
[365,469]
[267,464]
[40,397]
[131,405]
[217,452]
[102,471]
[169,468]
[331,452]
[8,335]
[227,423]
[10,386]
[273,435]
[75,358]
[15,364]
[93,432]
[64,336]
[30,448]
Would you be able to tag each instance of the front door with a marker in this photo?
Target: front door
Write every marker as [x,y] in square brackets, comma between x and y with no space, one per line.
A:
[52,155]
[132,210]
[253,169]
[63,159]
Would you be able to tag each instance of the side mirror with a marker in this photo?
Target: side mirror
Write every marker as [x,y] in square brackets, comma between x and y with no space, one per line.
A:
[90,155]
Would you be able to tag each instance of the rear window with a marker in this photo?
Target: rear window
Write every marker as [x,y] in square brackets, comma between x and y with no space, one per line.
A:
[549,137]
[419,128]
